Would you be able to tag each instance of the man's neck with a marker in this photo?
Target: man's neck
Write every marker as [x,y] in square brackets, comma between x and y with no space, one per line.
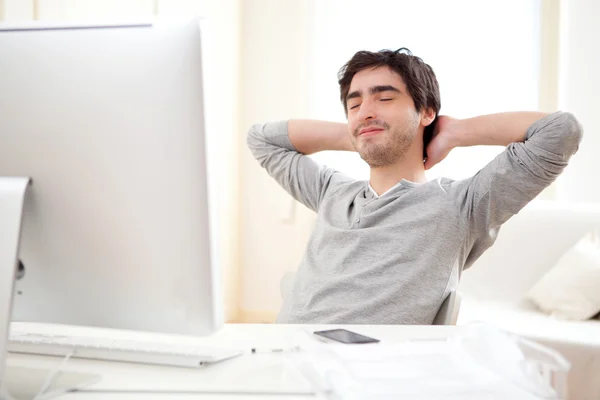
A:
[384,178]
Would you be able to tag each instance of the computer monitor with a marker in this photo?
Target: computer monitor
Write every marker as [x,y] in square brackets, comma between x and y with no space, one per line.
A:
[107,122]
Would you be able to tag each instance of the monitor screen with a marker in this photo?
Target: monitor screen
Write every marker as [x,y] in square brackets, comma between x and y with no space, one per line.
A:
[108,123]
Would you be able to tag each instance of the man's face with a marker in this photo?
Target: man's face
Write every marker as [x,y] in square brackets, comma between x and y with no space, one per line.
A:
[382,118]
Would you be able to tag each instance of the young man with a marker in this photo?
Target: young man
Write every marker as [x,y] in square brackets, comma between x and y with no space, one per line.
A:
[389,250]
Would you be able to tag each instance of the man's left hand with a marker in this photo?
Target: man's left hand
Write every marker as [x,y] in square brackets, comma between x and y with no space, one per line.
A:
[441,142]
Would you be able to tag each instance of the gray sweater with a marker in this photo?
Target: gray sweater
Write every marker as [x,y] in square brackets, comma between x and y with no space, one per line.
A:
[393,259]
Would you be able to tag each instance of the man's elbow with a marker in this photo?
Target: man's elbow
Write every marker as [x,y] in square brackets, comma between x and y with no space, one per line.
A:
[252,136]
[572,131]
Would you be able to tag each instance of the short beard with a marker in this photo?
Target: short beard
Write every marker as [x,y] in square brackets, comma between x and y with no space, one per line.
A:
[394,148]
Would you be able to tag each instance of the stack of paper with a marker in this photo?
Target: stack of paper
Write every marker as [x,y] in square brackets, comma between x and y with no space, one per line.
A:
[484,363]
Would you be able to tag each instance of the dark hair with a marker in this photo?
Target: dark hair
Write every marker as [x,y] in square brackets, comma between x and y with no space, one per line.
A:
[419,78]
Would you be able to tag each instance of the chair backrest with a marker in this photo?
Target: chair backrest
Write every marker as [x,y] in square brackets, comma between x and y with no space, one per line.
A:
[448,312]
[446,315]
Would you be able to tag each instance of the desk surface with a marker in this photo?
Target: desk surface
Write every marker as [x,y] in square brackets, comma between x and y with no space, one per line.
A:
[257,376]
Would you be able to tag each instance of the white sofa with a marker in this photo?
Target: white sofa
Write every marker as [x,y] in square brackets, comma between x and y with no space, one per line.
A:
[494,288]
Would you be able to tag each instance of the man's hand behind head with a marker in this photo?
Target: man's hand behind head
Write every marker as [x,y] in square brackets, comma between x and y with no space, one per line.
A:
[442,141]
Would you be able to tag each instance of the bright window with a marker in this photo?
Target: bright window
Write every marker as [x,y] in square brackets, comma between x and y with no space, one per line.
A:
[485,55]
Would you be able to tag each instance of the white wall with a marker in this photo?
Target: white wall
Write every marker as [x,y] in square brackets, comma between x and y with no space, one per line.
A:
[276,54]
[16,10]
[579,89]
[66,10]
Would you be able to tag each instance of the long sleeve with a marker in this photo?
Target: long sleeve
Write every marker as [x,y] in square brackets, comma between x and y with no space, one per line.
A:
[305,179]
[516,176]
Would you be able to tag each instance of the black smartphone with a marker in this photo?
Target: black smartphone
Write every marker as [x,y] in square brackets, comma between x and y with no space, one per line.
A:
[346,336]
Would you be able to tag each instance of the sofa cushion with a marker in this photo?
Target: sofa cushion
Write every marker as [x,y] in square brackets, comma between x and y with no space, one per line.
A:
[528,246]
[570,289]
[524,318]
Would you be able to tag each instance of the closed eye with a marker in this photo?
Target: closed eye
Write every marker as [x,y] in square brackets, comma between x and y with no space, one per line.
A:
[385,99]
[353,107]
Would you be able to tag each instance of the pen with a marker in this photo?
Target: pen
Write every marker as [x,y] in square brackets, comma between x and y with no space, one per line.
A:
[255,350]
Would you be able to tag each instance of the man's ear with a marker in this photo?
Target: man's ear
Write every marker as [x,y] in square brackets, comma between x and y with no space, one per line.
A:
[427,116]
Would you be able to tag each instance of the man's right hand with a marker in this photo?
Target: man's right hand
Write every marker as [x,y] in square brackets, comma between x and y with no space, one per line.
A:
[441,143]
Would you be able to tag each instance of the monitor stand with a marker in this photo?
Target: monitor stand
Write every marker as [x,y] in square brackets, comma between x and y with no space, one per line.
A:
[12,198]
[16,381]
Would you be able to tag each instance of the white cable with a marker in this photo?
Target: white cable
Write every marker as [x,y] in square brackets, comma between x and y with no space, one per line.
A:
[51,377]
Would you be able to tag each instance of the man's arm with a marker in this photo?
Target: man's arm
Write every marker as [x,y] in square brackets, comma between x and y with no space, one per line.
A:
[539,148]
[494,130]
[280,148]
[309,136]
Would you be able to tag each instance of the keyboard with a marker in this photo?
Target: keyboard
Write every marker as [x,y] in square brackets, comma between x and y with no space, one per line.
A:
[119,350]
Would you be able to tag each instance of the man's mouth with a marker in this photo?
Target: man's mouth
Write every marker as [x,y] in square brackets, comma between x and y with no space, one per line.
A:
[370,131]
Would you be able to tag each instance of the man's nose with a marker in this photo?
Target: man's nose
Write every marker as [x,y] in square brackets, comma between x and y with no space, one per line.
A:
[366,111]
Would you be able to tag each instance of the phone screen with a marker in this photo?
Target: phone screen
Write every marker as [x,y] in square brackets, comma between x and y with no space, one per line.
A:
[346,336]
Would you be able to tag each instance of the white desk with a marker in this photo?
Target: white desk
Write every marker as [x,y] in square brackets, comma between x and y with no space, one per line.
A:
[250,373]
